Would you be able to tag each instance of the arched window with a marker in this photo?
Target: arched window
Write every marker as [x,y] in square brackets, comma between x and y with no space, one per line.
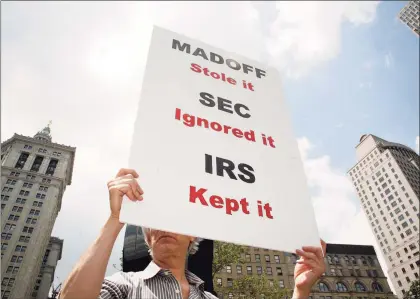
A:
[353,260]
[329,259]
[363,260]
[341,287]
[323,287]
[359,287]
[377,287]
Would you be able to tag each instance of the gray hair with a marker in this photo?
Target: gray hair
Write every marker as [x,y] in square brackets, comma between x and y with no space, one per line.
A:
[193,248]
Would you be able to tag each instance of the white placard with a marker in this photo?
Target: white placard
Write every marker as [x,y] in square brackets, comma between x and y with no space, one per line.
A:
[214,148]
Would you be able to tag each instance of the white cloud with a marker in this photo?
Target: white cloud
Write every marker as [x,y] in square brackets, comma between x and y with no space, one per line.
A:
[389,60]
[417,144]
[307,33]
[332,191]
[81,65]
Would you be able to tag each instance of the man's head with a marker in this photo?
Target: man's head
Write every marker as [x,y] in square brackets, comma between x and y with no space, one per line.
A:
[165,245]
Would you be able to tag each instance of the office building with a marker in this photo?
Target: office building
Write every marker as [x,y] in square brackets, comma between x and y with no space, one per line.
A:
[409,15]
[352,272]
[34,174]
[387,181]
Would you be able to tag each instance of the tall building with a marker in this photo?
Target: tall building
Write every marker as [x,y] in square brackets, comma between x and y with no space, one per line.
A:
[409,15]
[34,174]
[387,180]
[352,271]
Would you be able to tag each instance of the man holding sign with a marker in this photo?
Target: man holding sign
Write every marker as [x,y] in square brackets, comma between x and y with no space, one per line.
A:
[166,276]
[218,160]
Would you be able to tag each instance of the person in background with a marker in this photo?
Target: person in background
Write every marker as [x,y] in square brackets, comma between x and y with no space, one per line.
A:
[166,276]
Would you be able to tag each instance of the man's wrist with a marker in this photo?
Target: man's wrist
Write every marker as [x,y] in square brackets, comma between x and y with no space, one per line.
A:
[299,293]
[114,223]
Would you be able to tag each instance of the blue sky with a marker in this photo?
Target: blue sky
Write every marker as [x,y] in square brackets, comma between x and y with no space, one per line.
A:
[330,107]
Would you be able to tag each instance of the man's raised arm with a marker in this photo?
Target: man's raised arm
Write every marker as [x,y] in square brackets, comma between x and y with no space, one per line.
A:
[85,280]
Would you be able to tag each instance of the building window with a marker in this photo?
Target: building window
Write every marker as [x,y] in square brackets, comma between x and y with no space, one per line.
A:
[277,259]
[239,269]
[29,230]
[21,201]
[6,189]
[279,271]
[259,270]
[257,258]
[37,204]
[27,185]
[281,284]
[40,196]
[249,270]
[23,193]
[13,217]
[228,268]
[30,177]
[43,188]
[17,209]
[323,287]
[339,272]
[31,220]
[219,282]
[37,163]
[359,287]
[247,256]
[51,167]
[332,271]
[5,236]
[46,180]
[269,271]
[229,282]
[408,279]
[5,197]
[24,239]
[267,258]
[22,160]
[34,212]
[20,248]
[341,287]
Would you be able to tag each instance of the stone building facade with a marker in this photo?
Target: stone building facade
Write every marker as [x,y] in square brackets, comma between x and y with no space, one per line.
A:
[34,175]
[352,272]
[386,178]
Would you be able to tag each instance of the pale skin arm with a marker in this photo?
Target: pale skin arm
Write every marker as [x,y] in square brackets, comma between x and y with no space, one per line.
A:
[85,280]
[309,268]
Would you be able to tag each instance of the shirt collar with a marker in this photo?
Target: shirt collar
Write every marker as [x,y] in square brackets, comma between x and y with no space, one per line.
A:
[152,270]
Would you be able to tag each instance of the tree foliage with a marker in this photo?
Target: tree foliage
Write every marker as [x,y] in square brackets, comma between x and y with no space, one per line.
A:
[252,287]
[226,254]
[414,292]
[247,286]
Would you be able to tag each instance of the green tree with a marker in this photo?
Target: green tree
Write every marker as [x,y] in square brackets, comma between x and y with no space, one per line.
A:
[253,287]
[226,254]
[414,292]
[248,286]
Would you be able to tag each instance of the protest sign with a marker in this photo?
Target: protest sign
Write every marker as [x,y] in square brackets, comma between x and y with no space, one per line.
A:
[214,148]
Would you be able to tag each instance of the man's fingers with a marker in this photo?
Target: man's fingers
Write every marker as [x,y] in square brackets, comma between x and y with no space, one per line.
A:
[307,255]
[311,263]
[126,189]
[125,171]
[316,250]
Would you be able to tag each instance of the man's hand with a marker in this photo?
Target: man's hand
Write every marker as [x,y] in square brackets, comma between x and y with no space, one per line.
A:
[125,183]
[309,268]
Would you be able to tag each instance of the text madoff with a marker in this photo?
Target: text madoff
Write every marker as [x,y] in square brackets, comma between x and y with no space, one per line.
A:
[215,151]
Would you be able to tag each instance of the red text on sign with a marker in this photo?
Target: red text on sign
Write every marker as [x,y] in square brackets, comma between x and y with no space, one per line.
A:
[229,204]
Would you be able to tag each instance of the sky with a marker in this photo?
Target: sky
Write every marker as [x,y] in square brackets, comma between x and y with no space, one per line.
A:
[348,68]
